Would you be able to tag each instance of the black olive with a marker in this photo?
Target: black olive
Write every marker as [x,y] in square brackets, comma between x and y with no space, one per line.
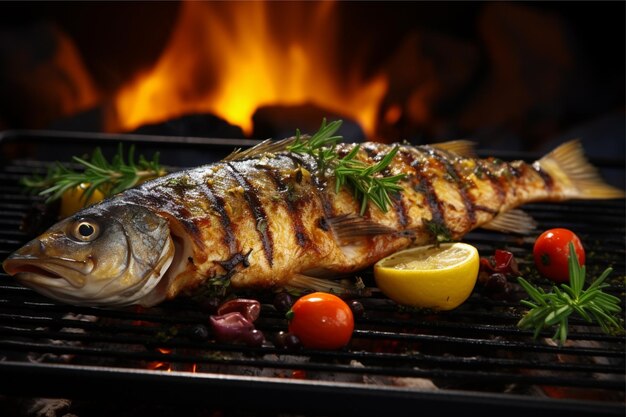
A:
[255,338]
[283,302]
[357,308]
[289,341]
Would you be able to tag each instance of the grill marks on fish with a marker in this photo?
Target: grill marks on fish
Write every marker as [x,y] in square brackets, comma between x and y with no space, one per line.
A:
[230,194]
[273,181]
[425,187]
[311,166]
[218,203]
[287,193]
[400,209]
[276,193]
[484,169]
[421,182]
[450,207]
[462,184]
[256,207]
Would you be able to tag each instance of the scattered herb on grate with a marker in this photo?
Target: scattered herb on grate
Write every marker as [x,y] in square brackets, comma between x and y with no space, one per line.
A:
[97,173]
[365,180]
[555,307]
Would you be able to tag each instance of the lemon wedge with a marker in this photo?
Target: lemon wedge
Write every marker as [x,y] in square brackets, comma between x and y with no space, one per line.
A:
[74,199]
[440,278]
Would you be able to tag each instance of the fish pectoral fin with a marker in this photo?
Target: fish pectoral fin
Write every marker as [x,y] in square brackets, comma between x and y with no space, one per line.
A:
[460,147]
[267,146]
[515,221]
[301,282]
[349,228]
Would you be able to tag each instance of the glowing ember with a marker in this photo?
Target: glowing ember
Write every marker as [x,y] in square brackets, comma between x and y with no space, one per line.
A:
[230,58]
[159,365]
[166,365]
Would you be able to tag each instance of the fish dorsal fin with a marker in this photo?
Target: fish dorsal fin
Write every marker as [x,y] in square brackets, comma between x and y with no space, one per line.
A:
[349,228]
[267,146]
[460,147]
[516,221]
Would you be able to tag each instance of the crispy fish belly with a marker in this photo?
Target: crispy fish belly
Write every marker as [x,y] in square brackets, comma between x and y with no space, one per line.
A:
[271,219]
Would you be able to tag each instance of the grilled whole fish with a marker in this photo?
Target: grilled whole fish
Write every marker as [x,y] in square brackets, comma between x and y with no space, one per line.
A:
[266,217]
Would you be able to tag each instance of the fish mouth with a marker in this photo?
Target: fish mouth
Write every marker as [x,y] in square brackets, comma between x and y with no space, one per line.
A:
[47,272]
[30,269]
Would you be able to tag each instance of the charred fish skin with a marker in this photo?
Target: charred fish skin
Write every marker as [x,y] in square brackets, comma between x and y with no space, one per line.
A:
[267,217]
[263,211]
[262,219]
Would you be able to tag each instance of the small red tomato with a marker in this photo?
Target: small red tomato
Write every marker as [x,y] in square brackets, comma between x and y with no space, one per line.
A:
[321,321]
[551,253]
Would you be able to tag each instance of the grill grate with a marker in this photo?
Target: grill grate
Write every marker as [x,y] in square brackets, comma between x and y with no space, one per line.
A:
[471,358]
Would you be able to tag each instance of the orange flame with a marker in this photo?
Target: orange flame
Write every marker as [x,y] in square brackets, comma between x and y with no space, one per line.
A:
[230,58]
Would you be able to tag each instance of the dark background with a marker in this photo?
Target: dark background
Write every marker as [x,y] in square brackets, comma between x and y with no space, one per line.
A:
[520,75]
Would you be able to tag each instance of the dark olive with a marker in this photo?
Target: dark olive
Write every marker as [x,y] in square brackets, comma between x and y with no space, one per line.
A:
[283,302]
[357,308]
[289,341]
[255,338]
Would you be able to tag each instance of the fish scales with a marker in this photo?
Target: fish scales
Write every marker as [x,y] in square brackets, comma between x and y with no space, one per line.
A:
[270,219]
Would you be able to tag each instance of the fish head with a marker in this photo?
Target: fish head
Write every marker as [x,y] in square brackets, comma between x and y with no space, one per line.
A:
[110,254]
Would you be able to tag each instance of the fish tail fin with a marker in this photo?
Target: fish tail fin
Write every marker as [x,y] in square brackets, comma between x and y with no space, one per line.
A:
[568,165]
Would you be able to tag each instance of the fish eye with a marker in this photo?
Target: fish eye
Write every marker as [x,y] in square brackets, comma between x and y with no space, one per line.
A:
[85,231]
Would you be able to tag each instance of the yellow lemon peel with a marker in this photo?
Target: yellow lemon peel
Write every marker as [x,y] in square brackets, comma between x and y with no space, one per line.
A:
[74,199]
[439,278]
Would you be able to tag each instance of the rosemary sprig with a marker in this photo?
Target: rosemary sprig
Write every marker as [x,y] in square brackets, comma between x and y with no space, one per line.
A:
[363,180]
[96,173]
[555,307]
[322,145]
[366,181]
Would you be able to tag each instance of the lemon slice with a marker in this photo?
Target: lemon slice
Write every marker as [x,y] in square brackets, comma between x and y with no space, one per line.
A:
[441,278]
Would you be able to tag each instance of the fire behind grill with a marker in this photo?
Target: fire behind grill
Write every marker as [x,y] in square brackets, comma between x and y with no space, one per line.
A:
[472,359]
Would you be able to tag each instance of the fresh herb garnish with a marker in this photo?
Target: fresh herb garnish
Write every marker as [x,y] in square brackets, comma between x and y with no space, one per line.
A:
[97,174]
[322,145]
[365,180]
[554,308]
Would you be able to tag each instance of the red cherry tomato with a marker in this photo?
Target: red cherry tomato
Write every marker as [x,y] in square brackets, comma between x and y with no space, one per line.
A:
[551,253]
[321,321]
